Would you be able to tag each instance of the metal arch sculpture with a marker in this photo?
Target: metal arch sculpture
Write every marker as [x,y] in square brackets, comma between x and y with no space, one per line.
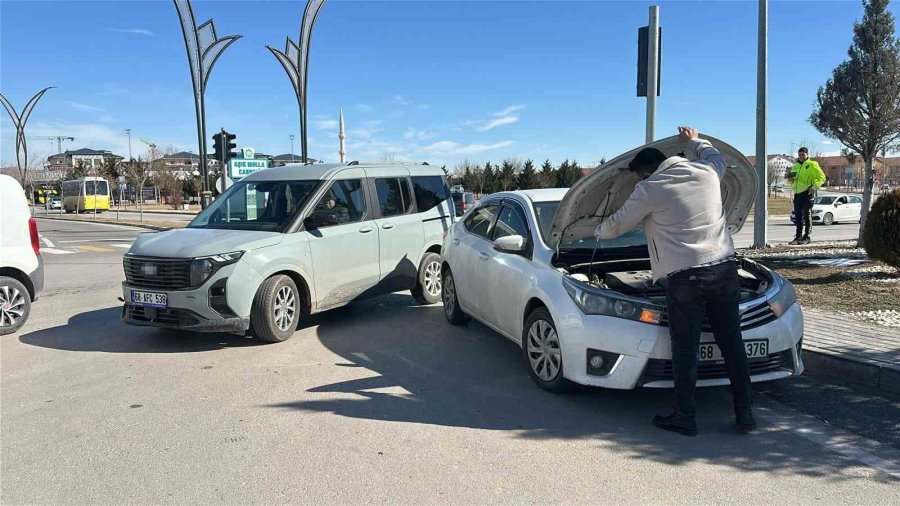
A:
[19,122]
[203,48]
[295,60]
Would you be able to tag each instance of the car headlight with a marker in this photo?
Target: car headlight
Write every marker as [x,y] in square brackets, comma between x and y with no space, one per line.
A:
[784,298]
[595,301]
[202,268]
[817,211]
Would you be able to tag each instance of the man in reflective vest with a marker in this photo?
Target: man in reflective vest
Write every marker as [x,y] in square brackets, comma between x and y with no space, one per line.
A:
[805,177]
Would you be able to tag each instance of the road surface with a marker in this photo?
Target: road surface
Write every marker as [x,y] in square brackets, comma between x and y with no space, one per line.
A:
[381,402]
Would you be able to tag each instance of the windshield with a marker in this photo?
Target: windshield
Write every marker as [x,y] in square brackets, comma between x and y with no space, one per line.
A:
[545,212]
[824,200]
[96,187]
[266,205]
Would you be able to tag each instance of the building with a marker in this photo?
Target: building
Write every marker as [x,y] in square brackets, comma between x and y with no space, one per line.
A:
[89,158]
[839,171]
[281,160]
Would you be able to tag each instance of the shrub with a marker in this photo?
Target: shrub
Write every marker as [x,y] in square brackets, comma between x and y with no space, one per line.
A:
[882,234]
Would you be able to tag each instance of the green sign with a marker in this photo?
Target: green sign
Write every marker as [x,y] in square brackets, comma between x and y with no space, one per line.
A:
[242,167]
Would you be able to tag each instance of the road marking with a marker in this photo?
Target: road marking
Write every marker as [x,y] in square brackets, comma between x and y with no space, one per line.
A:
[96,249]
[47,241]
[124,245]
[54,251]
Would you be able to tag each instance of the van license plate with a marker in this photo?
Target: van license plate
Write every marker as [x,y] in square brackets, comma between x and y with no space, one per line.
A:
[149,299]
[755,349]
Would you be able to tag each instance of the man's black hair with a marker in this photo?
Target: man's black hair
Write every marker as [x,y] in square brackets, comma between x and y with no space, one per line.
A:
[647,160]
[803,150]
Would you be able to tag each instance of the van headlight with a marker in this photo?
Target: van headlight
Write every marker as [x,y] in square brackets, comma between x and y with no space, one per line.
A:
[784,298]
[602,302]
[202,268]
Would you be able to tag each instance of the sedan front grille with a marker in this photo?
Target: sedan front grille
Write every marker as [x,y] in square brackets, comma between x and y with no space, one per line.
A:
[661,369]
[158,273]
[753,317]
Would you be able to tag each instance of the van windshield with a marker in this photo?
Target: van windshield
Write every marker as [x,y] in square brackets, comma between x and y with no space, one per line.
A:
[545,212]
[268,206]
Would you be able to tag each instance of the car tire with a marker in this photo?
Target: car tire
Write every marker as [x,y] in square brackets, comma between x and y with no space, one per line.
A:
[828,219]
[276,309]
[15,305]
[543,354]
[429,282]
[454,314]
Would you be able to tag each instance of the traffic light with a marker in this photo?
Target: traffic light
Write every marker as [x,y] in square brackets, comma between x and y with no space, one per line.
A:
[230,145]
[224,146]
[217,147]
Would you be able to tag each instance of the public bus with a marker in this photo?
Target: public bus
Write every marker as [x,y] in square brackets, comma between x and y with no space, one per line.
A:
[85,194]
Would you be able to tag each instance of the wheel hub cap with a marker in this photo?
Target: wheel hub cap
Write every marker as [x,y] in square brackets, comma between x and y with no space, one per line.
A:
[433,279]
[543,350]
[285,308]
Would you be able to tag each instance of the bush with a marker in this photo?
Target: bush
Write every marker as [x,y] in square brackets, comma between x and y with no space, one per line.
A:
[882,234]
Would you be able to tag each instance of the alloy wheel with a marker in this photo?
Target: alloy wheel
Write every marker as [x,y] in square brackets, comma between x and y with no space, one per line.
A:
[285,308]
[12,306]
[449,295]
[433,279]
[543,350]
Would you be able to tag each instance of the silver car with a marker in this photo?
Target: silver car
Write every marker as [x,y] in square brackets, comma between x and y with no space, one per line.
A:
[291,241]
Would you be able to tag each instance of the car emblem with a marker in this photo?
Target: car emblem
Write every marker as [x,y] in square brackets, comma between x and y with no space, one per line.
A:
[148,270]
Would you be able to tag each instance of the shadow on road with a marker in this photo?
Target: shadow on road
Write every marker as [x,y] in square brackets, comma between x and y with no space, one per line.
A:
[432,373]
[102,330]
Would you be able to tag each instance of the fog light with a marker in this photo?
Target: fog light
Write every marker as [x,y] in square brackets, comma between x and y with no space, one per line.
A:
[597,362]
[600,363]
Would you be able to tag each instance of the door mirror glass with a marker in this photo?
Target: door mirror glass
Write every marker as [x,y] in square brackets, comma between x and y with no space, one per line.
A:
[837,204]
[510,244]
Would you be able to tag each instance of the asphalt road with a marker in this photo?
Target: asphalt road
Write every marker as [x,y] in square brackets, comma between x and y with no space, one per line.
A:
[381,402]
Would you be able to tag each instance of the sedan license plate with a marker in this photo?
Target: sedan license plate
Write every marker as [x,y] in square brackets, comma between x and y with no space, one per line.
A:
[755,349]
[149,299]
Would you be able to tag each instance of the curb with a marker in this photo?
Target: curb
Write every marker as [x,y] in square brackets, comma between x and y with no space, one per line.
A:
[825,366]
[107,222]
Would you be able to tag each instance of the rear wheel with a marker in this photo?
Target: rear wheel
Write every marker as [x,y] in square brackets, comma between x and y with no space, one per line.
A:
[828,219]
[543,353]
[452,311]
[276,309]
[15,305]
[428,284]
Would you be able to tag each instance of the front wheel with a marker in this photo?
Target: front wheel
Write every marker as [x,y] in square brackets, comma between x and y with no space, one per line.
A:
[428,283]
[828,219]
[543,352]
[276,309]
[15,305]
[452,311]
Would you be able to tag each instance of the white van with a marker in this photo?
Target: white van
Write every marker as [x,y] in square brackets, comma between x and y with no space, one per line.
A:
[21,265]
[290,241]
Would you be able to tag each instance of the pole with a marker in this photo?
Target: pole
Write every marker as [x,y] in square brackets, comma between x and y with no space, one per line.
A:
[652,72]
[292,148]
[223,142]
[761,214]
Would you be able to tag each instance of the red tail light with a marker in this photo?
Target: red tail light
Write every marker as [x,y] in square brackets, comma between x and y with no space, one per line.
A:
[35,239]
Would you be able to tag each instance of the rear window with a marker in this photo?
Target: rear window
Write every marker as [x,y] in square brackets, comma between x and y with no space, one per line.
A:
[430,191]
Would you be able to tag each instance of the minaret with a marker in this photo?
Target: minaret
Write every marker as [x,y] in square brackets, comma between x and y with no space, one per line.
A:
[342,151]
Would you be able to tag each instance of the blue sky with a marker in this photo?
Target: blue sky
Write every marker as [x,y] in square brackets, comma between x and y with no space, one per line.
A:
[434,81]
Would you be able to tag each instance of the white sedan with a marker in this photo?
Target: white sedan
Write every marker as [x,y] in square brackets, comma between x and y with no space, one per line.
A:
[525,264]
[830,209]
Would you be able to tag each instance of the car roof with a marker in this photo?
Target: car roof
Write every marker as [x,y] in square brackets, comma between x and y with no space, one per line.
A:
[325,171]
[539,195]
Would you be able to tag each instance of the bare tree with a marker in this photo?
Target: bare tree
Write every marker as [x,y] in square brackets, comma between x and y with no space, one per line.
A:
[138,172]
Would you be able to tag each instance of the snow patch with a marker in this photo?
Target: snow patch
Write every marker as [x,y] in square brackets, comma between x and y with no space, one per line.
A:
[885,317]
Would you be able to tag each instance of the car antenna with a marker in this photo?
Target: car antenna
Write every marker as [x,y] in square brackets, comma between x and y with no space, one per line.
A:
[597,243]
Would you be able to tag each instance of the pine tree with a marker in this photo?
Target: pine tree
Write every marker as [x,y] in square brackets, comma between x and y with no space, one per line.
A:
[490,179]
[508,174]
[860,104]
[528,178]
[547,176]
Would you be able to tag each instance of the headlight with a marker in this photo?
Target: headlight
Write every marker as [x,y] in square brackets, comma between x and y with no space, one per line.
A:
[202,268]
[594,301]
[817,211]
[784,299]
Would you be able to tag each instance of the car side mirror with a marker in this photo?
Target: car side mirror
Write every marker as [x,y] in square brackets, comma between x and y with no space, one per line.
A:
[837,204]
[510,244]
[311,222]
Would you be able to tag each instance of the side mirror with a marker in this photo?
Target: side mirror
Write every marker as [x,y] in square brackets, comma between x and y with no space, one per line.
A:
[837,204]
[311,223]
[510,244]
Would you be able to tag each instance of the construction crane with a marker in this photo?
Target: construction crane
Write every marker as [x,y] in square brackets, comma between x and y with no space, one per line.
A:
[59,139]
[149,144]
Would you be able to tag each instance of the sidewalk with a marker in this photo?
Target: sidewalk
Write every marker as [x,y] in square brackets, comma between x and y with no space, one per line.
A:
[856,351]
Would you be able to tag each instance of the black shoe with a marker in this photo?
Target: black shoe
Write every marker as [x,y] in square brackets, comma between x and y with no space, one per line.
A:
[796,242]
[745,421]
[805,240]
[676,422]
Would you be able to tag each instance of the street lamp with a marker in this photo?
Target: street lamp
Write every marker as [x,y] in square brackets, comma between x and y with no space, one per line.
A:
[295,60]
[292,148]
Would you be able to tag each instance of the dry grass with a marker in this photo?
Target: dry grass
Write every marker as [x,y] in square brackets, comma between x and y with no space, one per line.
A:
[778,206]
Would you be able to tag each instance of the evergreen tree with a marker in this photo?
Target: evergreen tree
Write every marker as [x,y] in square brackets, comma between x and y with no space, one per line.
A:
[547,176]
[562,175]
[490,180]
[507,179]
[528,178]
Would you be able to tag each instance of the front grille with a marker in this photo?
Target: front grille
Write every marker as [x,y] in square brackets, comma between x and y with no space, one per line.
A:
[162,316]
[160,273]
[660,369]
[753,317]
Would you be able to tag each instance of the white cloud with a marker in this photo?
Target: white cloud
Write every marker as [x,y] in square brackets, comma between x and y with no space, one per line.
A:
[418,135]
[400,100]
[325,124]
[455,148]
[364,107]
[423,107]
[826,141]
[509,110]
[134,31]
[500,121]
[98,136]
[84,107]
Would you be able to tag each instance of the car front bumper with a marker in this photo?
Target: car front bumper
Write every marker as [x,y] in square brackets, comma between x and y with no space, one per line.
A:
[182,319]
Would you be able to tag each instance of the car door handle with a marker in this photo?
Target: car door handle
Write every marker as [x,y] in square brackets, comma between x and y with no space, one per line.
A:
[366,230]
[455,242]
[483,256]
[387,226]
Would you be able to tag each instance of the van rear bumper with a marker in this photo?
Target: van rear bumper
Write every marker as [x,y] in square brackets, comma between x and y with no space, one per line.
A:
[37,278]
[182,319]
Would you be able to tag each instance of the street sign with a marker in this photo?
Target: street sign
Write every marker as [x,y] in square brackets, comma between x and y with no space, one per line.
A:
[228,183]
[242,167]
[248,153]
[643,61]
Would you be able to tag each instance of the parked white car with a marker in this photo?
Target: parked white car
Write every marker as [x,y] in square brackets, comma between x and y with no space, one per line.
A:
[21,264]
[290,241]
[524,264]
[830,209]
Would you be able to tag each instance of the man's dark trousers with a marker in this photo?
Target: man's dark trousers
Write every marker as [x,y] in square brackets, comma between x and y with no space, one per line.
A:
[802,214]
[713,292]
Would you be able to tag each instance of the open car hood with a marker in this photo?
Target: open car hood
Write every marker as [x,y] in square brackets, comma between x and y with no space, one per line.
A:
[585,204]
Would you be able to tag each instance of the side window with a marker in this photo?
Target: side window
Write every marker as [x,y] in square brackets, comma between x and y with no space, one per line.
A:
[479,222]
[842,200]
[430,191]
[393,196]
[855,200]
[344,202]
[510,222]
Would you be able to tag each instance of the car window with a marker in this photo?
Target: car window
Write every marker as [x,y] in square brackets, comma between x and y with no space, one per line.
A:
[842,200]
[855,200]
[263,205]
[393,196]
[430,191]
[479,222]
[510,222]
[344,202]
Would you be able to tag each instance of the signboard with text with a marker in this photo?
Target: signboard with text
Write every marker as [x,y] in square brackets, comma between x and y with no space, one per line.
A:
[239,168]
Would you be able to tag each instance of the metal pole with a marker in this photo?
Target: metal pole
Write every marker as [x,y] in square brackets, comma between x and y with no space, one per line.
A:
[223,142]
[292,148]
[652,71]
[761,214]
